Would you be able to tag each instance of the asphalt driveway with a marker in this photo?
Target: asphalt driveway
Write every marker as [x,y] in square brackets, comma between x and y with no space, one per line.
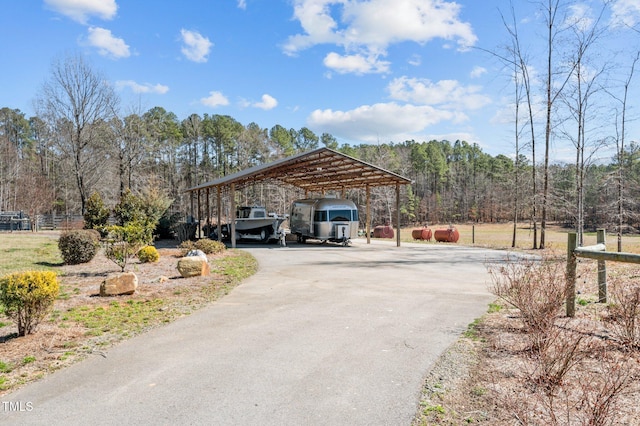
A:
[321,335]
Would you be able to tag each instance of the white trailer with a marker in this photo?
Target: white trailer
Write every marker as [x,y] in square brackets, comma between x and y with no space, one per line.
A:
[325,219]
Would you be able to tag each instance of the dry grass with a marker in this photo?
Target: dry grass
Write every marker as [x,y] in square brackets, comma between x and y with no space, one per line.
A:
[499,236]
[586,373]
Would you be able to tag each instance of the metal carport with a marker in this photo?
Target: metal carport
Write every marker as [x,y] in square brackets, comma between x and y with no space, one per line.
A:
[318,170]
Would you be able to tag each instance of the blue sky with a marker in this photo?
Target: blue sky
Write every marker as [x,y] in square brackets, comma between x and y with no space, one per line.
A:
[364,71]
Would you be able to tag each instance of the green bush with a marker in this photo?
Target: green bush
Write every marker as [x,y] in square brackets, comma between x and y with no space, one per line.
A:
[28,297]
[129,209]
[210,246]
[148,254]
[78,246]
[123,242]
[96,215]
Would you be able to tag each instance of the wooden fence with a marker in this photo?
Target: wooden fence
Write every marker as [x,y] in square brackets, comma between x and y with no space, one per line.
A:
[599,253]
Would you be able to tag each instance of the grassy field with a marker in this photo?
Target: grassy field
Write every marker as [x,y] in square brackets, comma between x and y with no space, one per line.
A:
[20,251]
[499,236]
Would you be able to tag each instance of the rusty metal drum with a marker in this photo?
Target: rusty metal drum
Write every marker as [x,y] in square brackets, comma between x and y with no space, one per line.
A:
[421,234]
[450,235]
[385,231]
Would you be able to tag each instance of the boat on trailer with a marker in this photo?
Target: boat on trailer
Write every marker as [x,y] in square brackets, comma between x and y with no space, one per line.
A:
[254,223]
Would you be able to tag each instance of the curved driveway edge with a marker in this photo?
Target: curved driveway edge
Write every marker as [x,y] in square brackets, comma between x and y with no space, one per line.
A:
[321,335]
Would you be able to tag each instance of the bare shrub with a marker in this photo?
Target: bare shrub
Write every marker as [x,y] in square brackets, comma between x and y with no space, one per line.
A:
[185,231]
[563,350]
[601,390]
[624,312]
[537,288]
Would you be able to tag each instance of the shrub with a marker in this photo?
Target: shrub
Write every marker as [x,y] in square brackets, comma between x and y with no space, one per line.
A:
[145,209]
[166,224]
[148,254]
[537,288]
[129,209]
[185,231]
[95,234]
[186,246]
[124,242]
[210,246]
[28,297]
[624,313]
[96,215]
[78,246]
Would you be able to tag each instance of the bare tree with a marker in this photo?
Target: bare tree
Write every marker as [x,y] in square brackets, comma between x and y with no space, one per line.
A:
[620,150]
[76,102]
[578,96]
[519,66]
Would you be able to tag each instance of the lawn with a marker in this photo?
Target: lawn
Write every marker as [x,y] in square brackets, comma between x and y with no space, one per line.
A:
[81,323]
[21,251]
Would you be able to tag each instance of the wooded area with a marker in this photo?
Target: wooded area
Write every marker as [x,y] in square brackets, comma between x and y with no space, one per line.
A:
[81,142]
[453,182]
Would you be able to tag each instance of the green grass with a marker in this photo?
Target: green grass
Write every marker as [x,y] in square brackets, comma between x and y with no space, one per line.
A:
[28,359]
[119,318]
[134,316]
[31,251]
[237,267]
[5,367]
[472,329]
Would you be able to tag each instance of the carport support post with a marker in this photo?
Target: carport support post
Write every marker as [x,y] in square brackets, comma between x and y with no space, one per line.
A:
[219,212]
[192,208]
[398,213]
[368,223]
[208,226]
[233,215]
[199,216]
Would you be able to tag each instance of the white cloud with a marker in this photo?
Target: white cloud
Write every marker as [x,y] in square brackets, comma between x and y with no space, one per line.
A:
[580,17]
[81,10]
[196,47]
[447,93]
[107,44]
[477,72]
[357,64]
[242,4]
[625,13]
[415,60]
[417,106]
[159,89]
[215,99]
[369,27]
[268,102]
[386,121]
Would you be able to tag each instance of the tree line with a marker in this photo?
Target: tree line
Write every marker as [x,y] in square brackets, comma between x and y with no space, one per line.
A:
[42,170]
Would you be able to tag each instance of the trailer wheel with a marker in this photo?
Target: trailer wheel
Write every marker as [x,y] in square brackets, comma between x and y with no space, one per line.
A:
[265,233]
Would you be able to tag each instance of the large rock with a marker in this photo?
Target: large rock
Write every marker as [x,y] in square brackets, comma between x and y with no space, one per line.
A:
[119,284]
[193,266]
[196,252]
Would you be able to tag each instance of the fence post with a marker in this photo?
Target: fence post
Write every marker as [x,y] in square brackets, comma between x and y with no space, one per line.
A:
[602,271]
[571,274]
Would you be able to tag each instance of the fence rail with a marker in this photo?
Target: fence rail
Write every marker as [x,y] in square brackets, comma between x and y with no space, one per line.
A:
[597,252]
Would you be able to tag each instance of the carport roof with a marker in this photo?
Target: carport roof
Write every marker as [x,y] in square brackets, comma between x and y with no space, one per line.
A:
[319,170]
